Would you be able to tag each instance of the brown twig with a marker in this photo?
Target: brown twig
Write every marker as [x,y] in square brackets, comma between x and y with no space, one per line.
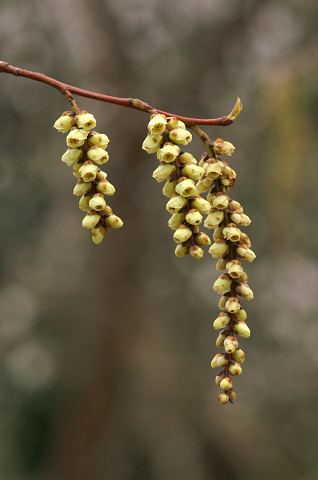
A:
[124,102]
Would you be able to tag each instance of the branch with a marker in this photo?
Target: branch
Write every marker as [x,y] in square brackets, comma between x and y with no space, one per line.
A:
[124,102]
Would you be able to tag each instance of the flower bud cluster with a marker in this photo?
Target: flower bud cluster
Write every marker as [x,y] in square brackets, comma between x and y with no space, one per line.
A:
[180,172]
[86,153]
[231,246]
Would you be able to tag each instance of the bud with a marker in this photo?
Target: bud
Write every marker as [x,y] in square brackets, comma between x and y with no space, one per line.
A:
[176,220]
[181,250]
[226,383]
[219,361]
[245,239]
[241,315]
[163,171]
[236,216]
[202,239]
[221,147]
[245,220]
[242,329]
[219,248]
[221,339]
[238,356]
[105,187]
[97,202]
[169,187]
[76,169]
[203,185]
[234,205]
[186,187]
[232,394]
[234,268]
[230,344]
[221,264]
[81,187]
[244,291]
[152,143]
[72,155]
[244,252]
[180,135]
[175,203]
[231,232]
[214,218]
[76,137]
[200,204]
[90,220]
[221,321]
[217,234]
[222,284]
[101,175]
[196,252]
[98,233]
[88,172]
[113,221]
[157,124]
[235,369]
[97,155]
[64,122]
[223,300]
[85,120]
[220,201]
[219,378]
[106,210]
[187,157]
[227,171]
[243,278]
[212,170]
[182,234]
[84,203]
[233,305]
[168,153]
[192,171]
[99,139]
[223,398]
[174,123]
[194,217]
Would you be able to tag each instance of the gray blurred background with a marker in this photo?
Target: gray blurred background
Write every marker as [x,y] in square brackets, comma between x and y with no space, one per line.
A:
[105,350]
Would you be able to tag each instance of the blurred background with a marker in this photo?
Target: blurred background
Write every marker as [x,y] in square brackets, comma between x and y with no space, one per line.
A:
[106,350]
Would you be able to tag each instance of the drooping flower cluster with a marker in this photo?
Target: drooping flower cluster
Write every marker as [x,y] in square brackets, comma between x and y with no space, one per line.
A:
[86,152]
[185,182]
[180,172]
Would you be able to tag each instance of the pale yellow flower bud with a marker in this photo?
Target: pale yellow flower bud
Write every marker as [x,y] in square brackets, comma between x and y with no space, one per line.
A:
[99,139]
[97,155]
[226,383]
[219,248]
[181,250]
[241,315]
[113,221]
[202,239]
[227,171]
[84,203]
[234,205]
[222,284]
[88,171]
[221,264]
[180,135]
[98,233]
[221,147]
[245,220]
[91,220]
[244,252]
[219,378]
[182,234]
[105,187]
[187,157]
[194,217]
[243,278]
[163,171]
[64,122]
[76,137]
[220,201]
[212,169]
[168,152]
[97,202]
[196,252]
[186,187]
[192,171]
[200,204]
[175,123]
[223,398]
[81,187]
[233,305]
[219,360]
[213,219]
[235,369]
[221,321]
[218,233]
[203,185]
[230,344]
[242,329]
[231,232]
[221,339]
[234,268]
[176,220]
[244,291]
[175,203]
[85,120]
[152,143]
[101,175]
[238,356]
[236,216]
[245,239]
[72,155]
[106,210]
[169,187]
[157,124]
[223,300]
